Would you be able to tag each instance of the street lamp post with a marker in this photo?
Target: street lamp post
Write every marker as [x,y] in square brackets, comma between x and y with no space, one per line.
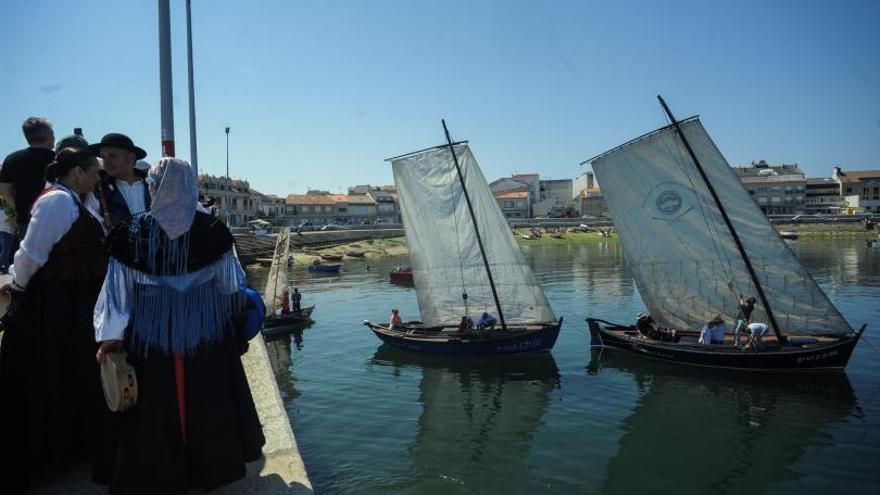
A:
[228,183]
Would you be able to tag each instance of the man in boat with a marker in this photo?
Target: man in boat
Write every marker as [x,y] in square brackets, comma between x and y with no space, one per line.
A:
[395,322]
[713,331]
[296,300]
[746,306]
[757,331]
[486,321]
[646,328]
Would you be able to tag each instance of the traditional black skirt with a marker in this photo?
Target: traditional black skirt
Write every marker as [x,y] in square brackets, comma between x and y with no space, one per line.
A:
[51,403]
[222,428]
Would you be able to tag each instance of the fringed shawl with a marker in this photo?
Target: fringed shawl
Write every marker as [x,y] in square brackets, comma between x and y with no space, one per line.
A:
[181,294]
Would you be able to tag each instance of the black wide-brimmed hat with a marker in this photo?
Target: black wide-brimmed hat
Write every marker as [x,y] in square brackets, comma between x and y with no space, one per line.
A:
[117,140]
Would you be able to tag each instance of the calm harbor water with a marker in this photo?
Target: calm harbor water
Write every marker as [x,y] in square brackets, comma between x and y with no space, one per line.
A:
[371,419]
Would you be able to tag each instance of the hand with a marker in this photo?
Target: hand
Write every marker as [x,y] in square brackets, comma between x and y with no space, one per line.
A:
[106,346]
[9,290]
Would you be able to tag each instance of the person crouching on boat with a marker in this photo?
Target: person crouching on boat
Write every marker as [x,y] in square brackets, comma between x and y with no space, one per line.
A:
[713,331]
[486,321]
[172,297]
[50,388]
[395,323]
[757,331]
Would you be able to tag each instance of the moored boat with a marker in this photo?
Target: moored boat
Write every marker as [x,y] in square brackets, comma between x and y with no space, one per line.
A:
[329,268]
[401,276]
[331,257]
[286,321]
[355,254]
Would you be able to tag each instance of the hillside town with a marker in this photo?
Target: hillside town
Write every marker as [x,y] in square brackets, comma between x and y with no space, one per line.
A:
[778,189]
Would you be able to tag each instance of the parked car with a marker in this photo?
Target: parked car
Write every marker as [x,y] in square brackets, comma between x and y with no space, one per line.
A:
[331,226]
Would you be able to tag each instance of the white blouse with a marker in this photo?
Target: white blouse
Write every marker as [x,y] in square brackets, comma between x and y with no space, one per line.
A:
[52,216]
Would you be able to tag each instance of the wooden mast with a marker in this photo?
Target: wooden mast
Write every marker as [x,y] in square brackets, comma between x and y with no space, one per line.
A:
[727,221]
[467,199]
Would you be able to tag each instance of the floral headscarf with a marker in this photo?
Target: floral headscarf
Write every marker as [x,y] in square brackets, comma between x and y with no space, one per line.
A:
[175,190]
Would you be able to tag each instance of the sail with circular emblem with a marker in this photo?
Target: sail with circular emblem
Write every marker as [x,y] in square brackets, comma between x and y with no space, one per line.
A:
[683,256]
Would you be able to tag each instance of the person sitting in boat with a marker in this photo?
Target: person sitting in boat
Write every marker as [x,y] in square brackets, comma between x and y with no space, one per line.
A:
[713,331]
[646,328]
[486,321]
[316,262]
[296,300]
[757,331]
[746,306]
[395,322]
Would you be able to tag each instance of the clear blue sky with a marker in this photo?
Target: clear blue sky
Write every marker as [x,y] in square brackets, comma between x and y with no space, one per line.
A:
[318,93]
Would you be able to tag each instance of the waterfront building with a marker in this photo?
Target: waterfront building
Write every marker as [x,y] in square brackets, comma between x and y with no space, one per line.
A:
[514,203]
[822,195]
[270,207]
[316,207]
[233,198]
[591,202]
[555,199]
[864,184]
[777,189]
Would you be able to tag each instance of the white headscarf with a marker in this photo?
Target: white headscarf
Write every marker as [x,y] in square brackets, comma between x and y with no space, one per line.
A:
[175,191]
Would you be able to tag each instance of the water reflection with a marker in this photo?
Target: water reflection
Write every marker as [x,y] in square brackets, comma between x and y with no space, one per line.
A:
[477,415]
[697,431]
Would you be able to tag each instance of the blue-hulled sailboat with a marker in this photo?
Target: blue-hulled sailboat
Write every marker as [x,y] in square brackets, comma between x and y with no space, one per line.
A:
[465,262]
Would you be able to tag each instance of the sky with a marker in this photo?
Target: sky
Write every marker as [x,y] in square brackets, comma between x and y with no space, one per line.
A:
[318,93]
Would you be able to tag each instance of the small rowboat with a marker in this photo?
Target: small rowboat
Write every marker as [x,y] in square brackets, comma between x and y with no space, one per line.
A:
[402,276]
[284,322]
[355,254]
[331,257]
[325,268]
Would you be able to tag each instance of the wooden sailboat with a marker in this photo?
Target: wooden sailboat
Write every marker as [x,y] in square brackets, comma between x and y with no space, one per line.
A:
[279,317]
[465,262]
[695,241]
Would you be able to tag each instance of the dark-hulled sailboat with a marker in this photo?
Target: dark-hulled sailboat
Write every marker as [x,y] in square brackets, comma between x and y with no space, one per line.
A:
[695,240]
[465,262]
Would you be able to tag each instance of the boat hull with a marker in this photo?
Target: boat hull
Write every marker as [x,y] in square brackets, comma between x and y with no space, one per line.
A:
[324,268]
[488,343]
[832,356]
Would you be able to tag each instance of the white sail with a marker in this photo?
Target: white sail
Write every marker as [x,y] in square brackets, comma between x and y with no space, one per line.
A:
[684,258]
[443,246]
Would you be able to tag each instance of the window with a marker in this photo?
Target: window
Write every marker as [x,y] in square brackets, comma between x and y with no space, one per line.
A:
[305,208]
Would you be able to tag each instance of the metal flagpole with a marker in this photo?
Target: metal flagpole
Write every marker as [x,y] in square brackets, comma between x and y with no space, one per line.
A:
[193,152]
[165,87]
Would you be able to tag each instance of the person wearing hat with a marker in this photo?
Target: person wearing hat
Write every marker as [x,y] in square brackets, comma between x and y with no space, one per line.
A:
[72,141]
[713,331]
[50,389]
[122,191]
[746,306]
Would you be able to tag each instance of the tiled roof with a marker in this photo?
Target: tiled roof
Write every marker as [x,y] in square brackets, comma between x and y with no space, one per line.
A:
[309,199]
[512,194]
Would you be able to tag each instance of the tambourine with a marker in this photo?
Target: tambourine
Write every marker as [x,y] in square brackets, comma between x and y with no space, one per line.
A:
[119,382]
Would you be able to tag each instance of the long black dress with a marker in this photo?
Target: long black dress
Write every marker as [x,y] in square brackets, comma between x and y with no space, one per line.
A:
[50,390]
[222,431]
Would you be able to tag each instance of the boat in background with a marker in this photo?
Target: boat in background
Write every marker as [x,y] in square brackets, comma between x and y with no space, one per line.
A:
[693,256]
[331,257]
[465,262]
[321,268]
[791,235]
[284,322]
[401,276]
[355,254]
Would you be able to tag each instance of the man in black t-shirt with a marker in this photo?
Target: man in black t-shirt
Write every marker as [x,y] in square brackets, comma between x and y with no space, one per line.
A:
[23,175]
